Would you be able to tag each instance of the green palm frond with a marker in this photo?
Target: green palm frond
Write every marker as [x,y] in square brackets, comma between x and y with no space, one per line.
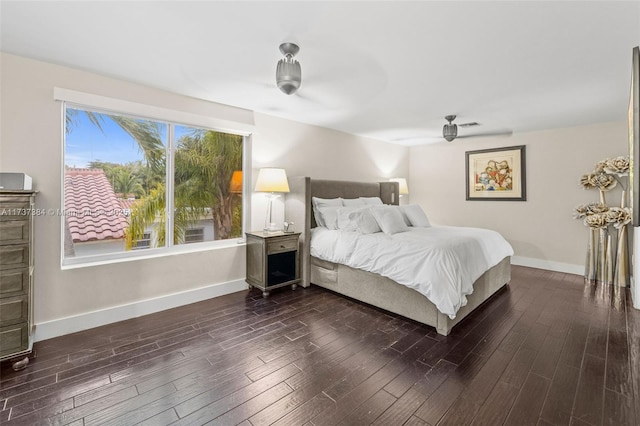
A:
[146,212]
[126,182]
[205,162]
[72,114]
[147,135]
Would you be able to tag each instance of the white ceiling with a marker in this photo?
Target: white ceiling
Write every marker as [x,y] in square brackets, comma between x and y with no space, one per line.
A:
[386,70]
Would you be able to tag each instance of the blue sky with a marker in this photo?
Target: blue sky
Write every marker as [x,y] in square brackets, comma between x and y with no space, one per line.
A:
[86,143]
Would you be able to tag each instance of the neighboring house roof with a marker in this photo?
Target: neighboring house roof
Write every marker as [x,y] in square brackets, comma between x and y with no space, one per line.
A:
[91,208]
[127,204]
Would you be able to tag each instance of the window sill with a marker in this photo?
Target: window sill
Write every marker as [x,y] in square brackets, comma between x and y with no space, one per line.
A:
[89,261]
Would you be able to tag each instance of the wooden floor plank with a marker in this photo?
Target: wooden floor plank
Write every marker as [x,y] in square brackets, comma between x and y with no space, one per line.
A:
[549,349]
[588,405]
[528,404]
[559,402]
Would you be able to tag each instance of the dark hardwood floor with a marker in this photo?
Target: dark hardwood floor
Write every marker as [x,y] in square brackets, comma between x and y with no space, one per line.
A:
[548,350]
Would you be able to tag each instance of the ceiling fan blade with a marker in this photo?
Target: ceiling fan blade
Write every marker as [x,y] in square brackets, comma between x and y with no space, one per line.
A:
[480,135]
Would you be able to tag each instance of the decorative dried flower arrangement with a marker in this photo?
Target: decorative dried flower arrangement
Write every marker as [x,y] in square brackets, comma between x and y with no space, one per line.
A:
[598,216]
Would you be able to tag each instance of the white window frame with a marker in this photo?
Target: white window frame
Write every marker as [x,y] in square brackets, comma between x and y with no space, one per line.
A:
[102,104]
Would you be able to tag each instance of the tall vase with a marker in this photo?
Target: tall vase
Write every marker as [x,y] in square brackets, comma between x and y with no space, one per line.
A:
[602,198]
[621,276]
[591,263]
[609,261]
[602,255]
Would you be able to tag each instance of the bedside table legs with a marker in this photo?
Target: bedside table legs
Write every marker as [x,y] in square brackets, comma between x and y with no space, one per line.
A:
[265,293]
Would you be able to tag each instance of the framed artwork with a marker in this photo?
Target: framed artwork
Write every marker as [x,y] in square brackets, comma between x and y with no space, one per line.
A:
[634,137]
[496,174]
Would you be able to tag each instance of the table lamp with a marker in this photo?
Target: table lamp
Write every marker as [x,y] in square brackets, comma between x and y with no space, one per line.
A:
[271,180]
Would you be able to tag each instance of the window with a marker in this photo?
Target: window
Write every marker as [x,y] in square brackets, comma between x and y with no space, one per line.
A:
[194,235]
[143,243]
[135,183]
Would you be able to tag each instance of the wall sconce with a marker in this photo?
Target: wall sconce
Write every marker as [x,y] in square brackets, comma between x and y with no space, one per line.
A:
[271,180]
[402,182]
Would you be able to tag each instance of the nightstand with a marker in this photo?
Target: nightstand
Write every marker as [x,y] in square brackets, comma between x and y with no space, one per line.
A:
[272,260]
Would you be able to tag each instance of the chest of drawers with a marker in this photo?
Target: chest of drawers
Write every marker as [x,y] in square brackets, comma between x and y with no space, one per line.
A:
[16,275]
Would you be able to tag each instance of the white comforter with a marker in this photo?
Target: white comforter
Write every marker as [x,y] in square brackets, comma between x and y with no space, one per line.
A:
[441,262]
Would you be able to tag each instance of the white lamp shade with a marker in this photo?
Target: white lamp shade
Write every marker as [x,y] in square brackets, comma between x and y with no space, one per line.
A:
[272,180]
[404,189]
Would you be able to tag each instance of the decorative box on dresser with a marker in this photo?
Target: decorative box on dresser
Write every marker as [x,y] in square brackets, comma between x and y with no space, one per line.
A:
[272,260]
[16,275]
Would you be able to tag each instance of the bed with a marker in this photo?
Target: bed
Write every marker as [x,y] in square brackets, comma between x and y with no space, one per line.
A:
[369,287]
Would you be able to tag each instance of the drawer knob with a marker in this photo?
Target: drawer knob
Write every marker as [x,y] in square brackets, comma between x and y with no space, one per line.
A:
[281,245]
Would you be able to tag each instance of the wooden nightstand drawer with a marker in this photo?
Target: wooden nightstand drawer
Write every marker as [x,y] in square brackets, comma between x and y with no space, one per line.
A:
[282,245]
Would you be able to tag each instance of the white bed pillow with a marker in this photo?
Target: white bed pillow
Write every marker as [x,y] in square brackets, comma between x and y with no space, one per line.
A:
[323,202]
[372,201]
[404,215]
[344,221]
[328,216]
[416,215]
[389,219]
[350,202]
[364,222]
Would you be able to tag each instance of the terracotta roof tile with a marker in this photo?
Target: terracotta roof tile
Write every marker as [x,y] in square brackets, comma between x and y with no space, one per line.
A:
[127,204]
[92,210]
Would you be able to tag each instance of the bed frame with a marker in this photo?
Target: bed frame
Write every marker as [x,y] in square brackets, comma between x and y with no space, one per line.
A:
[365,286]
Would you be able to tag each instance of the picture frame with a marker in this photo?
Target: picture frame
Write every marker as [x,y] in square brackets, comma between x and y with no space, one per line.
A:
[634,137]
[496,174]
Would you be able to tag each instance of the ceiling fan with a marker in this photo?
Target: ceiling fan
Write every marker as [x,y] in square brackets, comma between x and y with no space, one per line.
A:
[450,130]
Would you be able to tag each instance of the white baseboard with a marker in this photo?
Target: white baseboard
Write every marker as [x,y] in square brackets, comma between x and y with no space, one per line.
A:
[567,268]
[72,324]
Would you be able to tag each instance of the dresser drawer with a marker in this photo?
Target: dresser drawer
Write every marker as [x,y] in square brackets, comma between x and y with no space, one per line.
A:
[14,256]
[282,245]
[14,338]
[14,281]
[15,207]
[14,309]
[14,231]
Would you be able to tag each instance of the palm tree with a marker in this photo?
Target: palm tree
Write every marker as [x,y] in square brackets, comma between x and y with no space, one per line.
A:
[205,162]
[125,182]
[151,211]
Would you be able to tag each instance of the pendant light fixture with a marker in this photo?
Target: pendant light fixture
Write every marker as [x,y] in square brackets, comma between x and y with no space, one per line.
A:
[450,131]
[288,72]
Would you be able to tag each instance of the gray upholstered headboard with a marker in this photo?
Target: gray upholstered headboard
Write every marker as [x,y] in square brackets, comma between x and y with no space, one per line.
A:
[298,207]
[387,191]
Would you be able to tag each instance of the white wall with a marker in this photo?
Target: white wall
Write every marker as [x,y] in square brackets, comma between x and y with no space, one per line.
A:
[541,229]
[30,142]
[321,153]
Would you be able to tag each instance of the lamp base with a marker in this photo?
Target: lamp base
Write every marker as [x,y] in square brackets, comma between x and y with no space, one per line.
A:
[271,227]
